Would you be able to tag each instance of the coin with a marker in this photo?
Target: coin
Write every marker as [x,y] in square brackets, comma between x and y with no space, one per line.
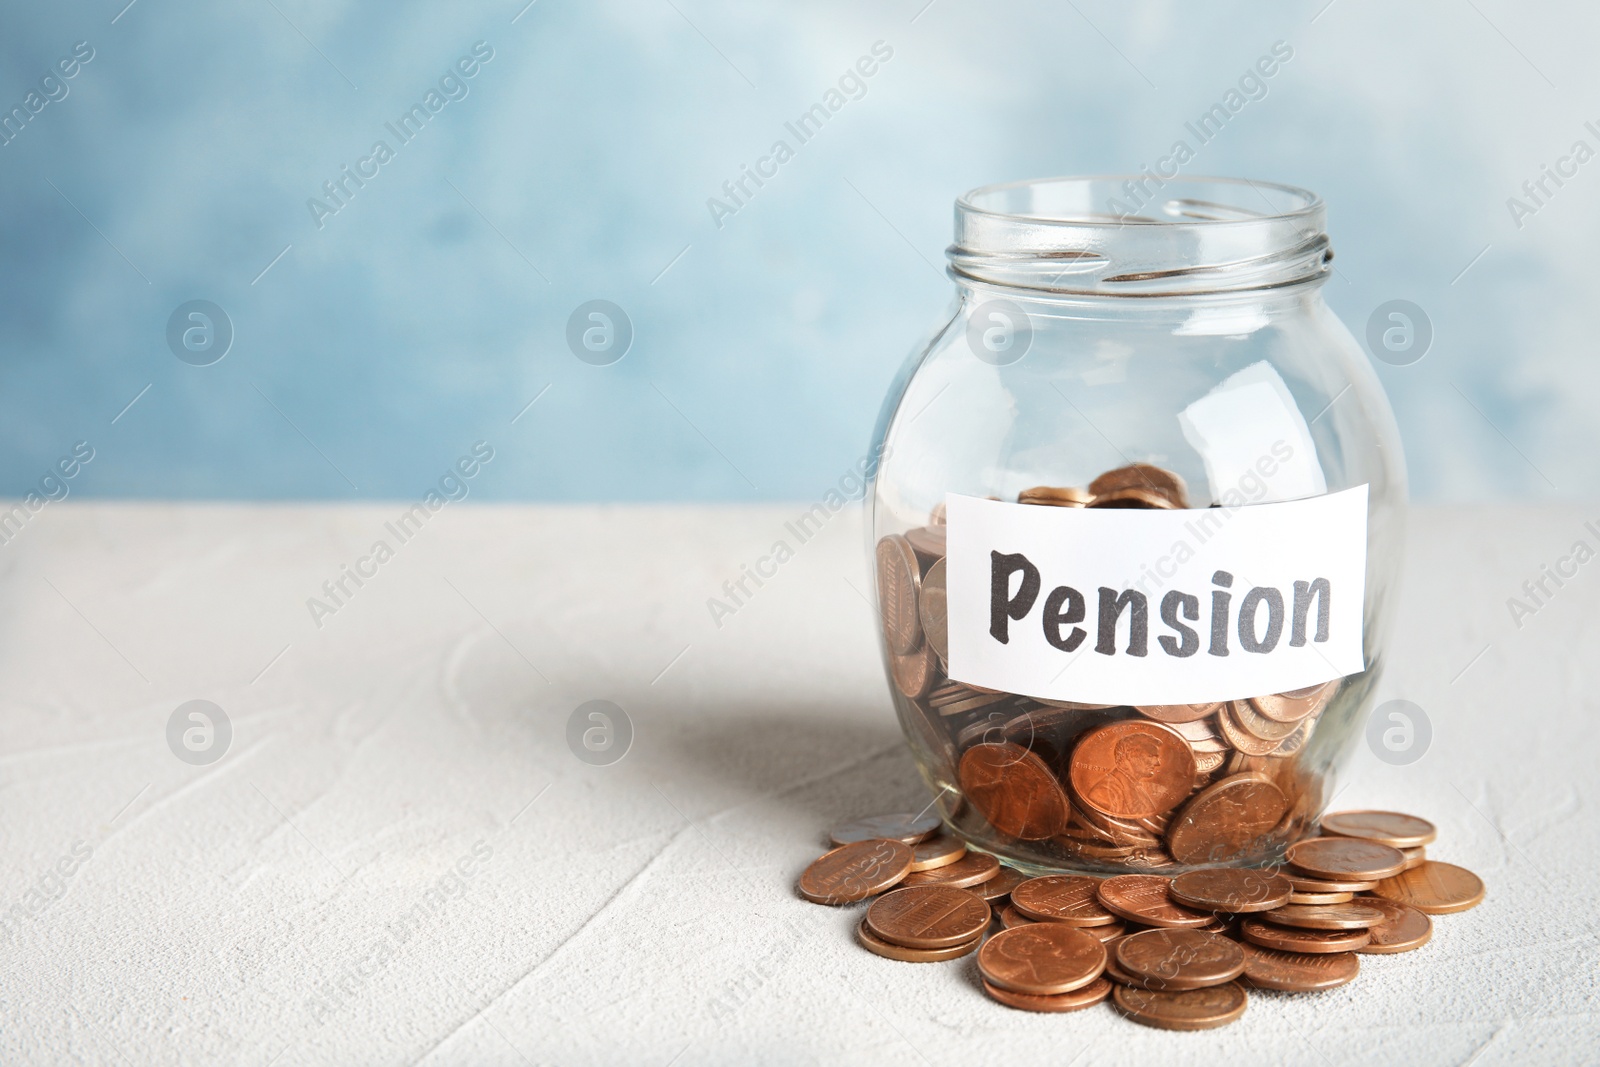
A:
[1386,827]
[1436,888]
[1241,739]
[1077,1000]
[1296,705]
[928,542]
[1113,971]
[1415,857]
[1062,898]
[898,577]
[889,950]
[1257,725]
[1055,496]
[1014,790]
[940,851]
[1132,768]
[1010,917]
[1142,898]
[1321,885]
[972,869]
[933,916]
[1146,476]
[1288,939]
[1193,1009]
[915,672]
[1403,929]
[1231,889]
[1108,932]
[1178,713]
[1041,958]
[1132,498]
[855,871]
[1297,972]
[1320,898]
[1179,959]
[1000,886]
[909,829]
[1346,857]
[1352,916]
[1226,820]
[931,608]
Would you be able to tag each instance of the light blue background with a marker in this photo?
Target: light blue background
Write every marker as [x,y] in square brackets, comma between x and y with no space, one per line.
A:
[433,307]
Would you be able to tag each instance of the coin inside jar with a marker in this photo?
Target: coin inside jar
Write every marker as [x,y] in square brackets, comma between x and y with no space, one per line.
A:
[1297,972]
[1386,827]
[914,673]
[1014,790]
[1226,820]
[898,578]
[1231,889]
[906,828]
[1179,959]
[855,871]
[931,608]
[1143,476]
[1346,857]
[1404,928]
[1178,713]
[1435,888]
[1132,769]
[1194,1009]
[1063,898]
[1042,959]
[928,917]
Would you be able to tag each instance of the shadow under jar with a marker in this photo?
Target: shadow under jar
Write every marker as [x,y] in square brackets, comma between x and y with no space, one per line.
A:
[1136,523]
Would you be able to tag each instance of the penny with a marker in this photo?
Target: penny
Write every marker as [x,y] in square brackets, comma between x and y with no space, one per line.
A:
[1108,932]
[1000,886]
[898,577]
[1322,885]
[1231,889]
[1346,857]
[971,869]
[1296,705]
[1241,739]
[1297,972]
[928,917]
[1257,725]
[1055,496]
[1062,898]
[1227,820]
[1113,971]
[1403,929]
[1010,917]
[1132,498]
[1320,898]
[907,828]
[940,851]
[1436,888]
[1164,483]
[1415,857]
[1288,939]
[915,672]
[1014,790]
[1178,713]
[1295,741]
[931,610]
[1142,898]
[855,871]
[1041,958]
[1179,959]
[1132,769]
[889,950]
[1207,762]
[1386,827]
[1077,1000]
[1194,1009]
[928,542]
[1351,916]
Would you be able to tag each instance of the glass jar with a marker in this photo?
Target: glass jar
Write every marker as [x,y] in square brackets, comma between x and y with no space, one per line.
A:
[1123,353]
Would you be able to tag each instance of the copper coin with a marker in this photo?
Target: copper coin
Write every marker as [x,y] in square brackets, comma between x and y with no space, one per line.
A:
[1178,713]
[1257,725]
[928,542]
[931,610]
[1241,739]
[1288,939]
[932,916]
[1346,857]
[1231,889]
[1077,1000]
[1113,971]
[1403,929]
[970,870]
[1010,917]
[1322,885]
[1227,820]
[915,672]
[1436,888]
[1042,958]
[1296,705]
[899,827]
[1193,1009]
[1055,496]
[1000,886]
[898,578]
[889,950]
[1386,827]
[1132,498]
[1132,769]
[855,871]
[1179,959]
[1415,857]
[1297,972]
[1108,932]
[1014,790]
[1321,898]
[1352,916]
[1142,898]
[1166,484]
[1062,898]
[940,851]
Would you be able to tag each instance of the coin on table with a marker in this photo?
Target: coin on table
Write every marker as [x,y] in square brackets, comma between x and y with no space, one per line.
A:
[932,916]
[1077,1000]
[931,608]
[855,871]
[1295,705]
[1000,886]
[1062,898]
[1132,769]
[1415,857]
[915,672]
[1010,917]
[1042,958]
[1193,1009]
[1179,959]
[1231,889]
[1143,898]
[1178,713]
[1113,971]
[1436,888]
[1288,939]
[1352,916]
[1403,929]
[1320,898]
[898,578]
[1108,932]
[1056,496]
[1014,790]
[1146,476]
[1322,885]
[972,869]
[939,851]
[1297,972]
[906,828]
[1346,857]
[1226,820]
[1386,827]
[889,950]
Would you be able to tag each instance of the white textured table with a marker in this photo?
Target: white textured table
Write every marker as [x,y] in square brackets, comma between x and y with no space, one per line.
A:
[399,860]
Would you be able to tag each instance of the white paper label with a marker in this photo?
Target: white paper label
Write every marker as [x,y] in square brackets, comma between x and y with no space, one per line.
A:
[1125,606]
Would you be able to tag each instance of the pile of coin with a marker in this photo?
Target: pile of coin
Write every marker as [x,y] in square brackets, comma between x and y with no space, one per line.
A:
[1176,953]
[1097,787]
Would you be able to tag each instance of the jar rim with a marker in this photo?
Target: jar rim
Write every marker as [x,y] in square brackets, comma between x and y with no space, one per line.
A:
[1310,204]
